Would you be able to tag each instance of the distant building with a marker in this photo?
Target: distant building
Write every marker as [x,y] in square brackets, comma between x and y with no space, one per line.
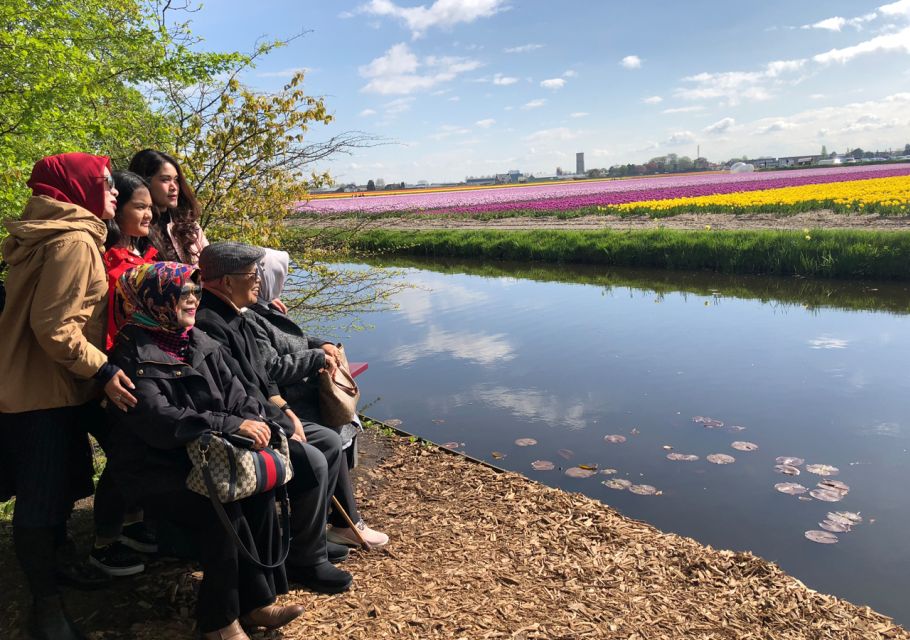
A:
[580,163]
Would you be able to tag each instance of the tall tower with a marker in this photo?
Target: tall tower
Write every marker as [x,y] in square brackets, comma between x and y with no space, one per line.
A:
[580,163]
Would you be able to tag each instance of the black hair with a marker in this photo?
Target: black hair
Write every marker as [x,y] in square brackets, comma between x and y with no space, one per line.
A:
[126,183]
[185,215]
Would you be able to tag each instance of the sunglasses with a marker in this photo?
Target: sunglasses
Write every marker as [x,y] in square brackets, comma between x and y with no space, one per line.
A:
[108,182]
[190,290]
[249,275]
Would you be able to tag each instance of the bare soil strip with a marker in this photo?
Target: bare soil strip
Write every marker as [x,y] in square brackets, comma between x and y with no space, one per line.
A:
[824,219]
[481,554]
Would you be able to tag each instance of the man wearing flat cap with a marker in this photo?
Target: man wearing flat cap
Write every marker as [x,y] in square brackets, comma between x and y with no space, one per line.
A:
[230,284]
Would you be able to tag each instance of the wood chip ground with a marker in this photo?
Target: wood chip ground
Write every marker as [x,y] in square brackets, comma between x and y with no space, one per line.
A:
[480,554]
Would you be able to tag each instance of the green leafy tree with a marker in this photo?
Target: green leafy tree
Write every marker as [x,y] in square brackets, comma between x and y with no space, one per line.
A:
[371,186]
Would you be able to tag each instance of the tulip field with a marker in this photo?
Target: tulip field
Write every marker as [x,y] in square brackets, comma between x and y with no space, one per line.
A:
[882,189]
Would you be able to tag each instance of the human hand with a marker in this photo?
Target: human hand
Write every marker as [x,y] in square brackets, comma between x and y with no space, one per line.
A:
[330,350]
[258,431]
[117,390]
[331,365]
[299,435]
[278,304]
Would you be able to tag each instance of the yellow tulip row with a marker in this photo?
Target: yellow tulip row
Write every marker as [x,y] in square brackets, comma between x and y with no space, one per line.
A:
[881,195]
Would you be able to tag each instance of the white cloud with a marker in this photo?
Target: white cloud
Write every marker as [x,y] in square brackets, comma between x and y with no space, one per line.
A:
[398,71]
[474,347]
[891,42]
[283,73]
[681,137]
[442,13]
[486,123]
[899,8]
[570,74]
[631,62]
[579,114]
[447,131]
[558,134]
[721,126]
[653,100]
[835,23]
[503,81]
[399,105]
[367,112]
[553,83]
[691,109]
[455,99]
[534,104]
[525,48]
[777,126]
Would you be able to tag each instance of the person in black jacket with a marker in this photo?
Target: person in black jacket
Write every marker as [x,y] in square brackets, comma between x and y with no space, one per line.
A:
[231,283]
[185,389]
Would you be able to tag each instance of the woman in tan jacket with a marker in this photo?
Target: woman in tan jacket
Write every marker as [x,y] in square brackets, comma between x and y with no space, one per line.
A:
[52,366]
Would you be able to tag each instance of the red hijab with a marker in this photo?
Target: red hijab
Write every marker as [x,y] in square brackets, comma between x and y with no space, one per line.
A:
[76,178]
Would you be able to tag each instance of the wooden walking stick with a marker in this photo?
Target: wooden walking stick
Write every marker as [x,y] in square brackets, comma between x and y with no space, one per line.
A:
[344,514]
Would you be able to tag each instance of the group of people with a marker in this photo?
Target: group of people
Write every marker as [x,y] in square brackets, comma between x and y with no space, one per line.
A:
[122,321]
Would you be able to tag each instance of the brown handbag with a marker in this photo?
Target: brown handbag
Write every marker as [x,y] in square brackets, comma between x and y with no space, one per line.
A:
[338,394]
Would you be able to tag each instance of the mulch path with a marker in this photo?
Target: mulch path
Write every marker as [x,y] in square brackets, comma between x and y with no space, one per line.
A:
[476,553]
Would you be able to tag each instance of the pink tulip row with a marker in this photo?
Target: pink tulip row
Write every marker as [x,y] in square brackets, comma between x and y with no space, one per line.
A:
[584,194]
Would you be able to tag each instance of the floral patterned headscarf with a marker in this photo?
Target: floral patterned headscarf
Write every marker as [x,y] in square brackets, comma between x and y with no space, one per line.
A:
[147,295]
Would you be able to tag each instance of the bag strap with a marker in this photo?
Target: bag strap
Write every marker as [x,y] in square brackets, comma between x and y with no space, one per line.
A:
[226,523]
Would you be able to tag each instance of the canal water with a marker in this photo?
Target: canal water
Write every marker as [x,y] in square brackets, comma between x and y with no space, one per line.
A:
[479,356]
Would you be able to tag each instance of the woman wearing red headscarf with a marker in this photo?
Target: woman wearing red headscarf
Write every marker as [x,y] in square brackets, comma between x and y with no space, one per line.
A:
[52,365]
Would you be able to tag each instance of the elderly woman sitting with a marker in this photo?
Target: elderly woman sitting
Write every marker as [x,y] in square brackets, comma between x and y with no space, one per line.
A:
[185,389]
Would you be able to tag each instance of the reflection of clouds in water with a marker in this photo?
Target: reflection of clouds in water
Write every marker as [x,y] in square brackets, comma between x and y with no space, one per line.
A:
[434,296]
[464,345]
[827,342]
[887,429]
[531,404]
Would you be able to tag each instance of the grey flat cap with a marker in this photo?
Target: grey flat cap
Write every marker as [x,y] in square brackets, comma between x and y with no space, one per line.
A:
[221,258]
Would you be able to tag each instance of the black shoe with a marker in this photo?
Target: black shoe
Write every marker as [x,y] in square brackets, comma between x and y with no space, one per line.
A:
[336,552]
[139,538]
[48,621]
[321,578]
[81,575]
[117,560]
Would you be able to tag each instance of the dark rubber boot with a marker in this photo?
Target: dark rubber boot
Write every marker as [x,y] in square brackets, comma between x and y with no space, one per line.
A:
[48,621]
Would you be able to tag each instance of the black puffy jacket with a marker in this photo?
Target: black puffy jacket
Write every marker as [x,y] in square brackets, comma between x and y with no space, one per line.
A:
[177,402]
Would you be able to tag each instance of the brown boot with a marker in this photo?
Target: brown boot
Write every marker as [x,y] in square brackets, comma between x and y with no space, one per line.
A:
[231,632]
[272,616]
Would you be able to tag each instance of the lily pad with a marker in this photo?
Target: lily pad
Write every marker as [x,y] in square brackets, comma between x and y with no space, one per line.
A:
[790,488]
[643,489]
[565,453]
[615,439]
[851,516]
[821,537]
[709,423]
[787,469]
[620,484]
[667,447]
[439,420]
[826,496]
[393,422]
[789,460]
[835,527]
[542,465]
[682,457]
[526,442]
[721,458]
[608,472]
[835,485]
[578,472]
[635,431]
[822,469]
[739,445]
[735,428]
[451,445]
[498,455]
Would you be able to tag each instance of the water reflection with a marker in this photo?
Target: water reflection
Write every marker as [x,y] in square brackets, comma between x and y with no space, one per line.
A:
[484,355]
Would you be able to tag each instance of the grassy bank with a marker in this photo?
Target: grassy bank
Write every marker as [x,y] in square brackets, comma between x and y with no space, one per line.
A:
[819,253]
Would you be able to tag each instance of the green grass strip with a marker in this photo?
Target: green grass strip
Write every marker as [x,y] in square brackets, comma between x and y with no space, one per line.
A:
[820,253]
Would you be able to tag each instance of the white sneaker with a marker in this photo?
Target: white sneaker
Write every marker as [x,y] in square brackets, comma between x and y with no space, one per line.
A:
[346,535]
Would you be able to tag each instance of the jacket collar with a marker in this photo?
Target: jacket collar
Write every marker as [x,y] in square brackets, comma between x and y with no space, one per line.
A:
[215,303]
[201,346]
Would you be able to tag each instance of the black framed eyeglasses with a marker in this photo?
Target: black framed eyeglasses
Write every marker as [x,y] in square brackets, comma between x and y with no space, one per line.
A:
[108,182]
[248,275]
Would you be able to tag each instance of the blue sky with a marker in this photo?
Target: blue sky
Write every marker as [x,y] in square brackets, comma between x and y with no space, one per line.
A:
[475,87]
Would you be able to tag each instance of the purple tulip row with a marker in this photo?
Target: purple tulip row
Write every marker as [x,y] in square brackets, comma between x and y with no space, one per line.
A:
[577,195]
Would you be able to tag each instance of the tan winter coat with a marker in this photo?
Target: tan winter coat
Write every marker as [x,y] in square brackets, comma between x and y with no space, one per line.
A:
[56,304]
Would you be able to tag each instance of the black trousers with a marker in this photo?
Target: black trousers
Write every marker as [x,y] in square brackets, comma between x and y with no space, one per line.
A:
[231,586]
[328,441]
[309,504]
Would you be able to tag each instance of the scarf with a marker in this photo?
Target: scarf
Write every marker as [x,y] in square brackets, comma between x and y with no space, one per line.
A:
[76,178]
[147,296]
[273,271]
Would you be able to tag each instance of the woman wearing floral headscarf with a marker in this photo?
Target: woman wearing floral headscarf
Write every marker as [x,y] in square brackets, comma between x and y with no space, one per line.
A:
[184,390]
[52,366]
